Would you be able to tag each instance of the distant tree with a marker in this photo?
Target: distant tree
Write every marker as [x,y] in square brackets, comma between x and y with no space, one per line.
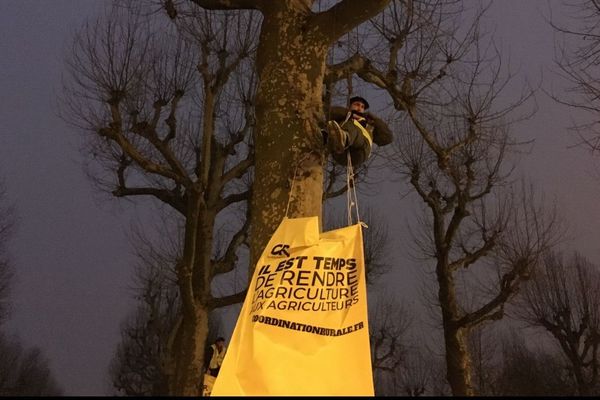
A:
[563,298]
[525,372]
[137,368]
[483,345]
[377,246]
[376,240]
[25,372]
[7,220]
[454,153]
[577,59]
[415,375]
[389,321]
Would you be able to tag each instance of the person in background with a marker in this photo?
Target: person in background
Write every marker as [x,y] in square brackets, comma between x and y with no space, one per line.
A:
[214,356]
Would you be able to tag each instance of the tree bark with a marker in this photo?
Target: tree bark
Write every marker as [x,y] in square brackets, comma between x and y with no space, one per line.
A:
[458,360]
[187,350]
[289,149]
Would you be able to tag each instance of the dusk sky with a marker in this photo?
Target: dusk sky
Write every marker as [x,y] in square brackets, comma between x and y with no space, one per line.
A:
[71,253]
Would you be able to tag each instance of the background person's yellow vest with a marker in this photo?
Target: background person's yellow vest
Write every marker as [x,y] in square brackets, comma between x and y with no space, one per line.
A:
[303,328]
[217,357]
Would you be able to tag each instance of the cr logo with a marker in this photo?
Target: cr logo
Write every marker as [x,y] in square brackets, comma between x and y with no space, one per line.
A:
[280,249]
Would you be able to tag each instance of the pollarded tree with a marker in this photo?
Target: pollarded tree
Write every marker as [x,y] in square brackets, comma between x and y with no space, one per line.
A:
[453,152]
[528,372]
[168,109]
[137,368]
[563,298]
[577,58]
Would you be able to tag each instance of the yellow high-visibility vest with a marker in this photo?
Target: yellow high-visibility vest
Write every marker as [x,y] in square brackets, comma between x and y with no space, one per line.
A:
[217,358]
[365,132]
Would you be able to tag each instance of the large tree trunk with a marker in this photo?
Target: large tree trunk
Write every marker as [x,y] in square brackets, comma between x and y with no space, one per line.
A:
[188,354]
[291,67]
[186,349]
[458,360]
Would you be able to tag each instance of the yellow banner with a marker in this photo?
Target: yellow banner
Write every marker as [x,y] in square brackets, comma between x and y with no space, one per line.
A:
[303,328]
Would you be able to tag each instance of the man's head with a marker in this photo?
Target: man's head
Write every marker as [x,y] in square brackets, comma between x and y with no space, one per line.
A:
[220,342]
[359,104]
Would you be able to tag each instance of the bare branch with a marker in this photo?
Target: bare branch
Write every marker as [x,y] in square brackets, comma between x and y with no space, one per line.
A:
[239,169]
[171,198]
[228,261]
[234,198]
[347,14]
[343,69]
[227,300]
[562,298]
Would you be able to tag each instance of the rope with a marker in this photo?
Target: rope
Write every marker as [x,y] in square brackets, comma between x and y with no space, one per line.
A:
[287,208]
[349,179]
[351,196]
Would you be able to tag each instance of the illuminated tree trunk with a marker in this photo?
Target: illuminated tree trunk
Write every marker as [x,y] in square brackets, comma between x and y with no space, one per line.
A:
[188,353]
[458,360]
[291,67]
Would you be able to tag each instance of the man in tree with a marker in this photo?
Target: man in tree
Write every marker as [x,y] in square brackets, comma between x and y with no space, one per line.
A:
[354,131]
